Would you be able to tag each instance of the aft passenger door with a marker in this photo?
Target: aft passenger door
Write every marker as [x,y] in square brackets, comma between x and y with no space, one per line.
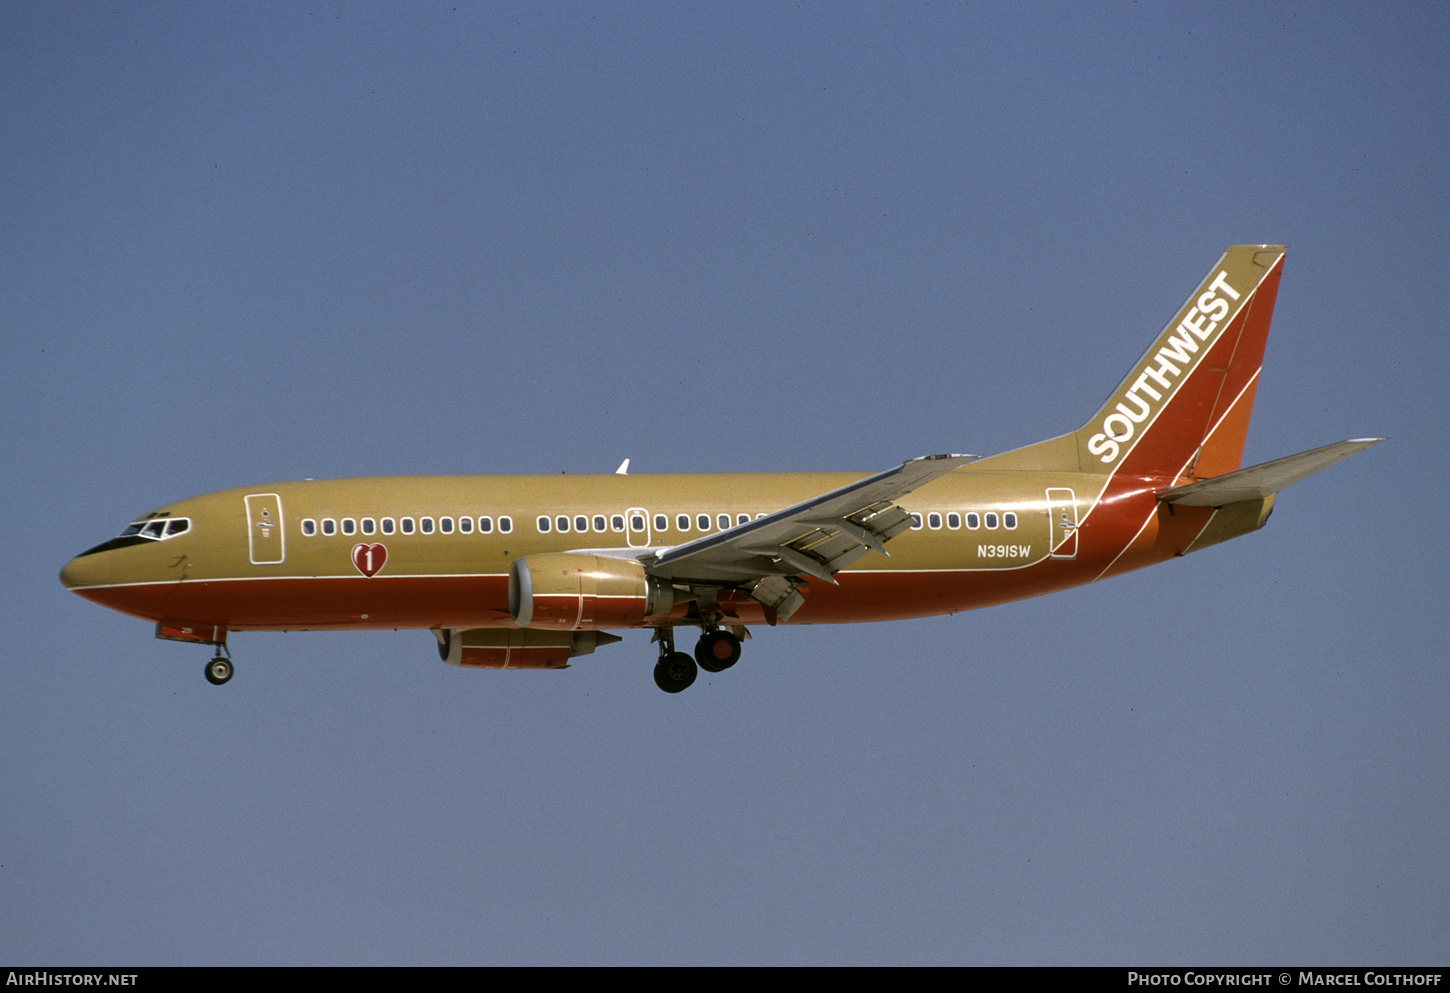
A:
[1062,520]
[266,540]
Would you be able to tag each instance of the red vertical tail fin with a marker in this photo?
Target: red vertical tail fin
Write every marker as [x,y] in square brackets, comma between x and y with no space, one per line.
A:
[1183,411]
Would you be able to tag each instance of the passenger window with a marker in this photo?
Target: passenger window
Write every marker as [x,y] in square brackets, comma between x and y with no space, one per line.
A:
[426,525]
[562,523]
[662,523]
[349,526]
[369,525]
[954,520]
[991,521]
[742,518]
[387,525]
[636,522]
[723,521]
[581,524]
[309,527]
[445,524]
[916,522]
[465,525]
[485,525]
[973,522]
[407,525]
[505,524]
[1009,520]
[933,521]
[703,521]
[683,522]
[599,523]
[616,523]
[544,525]
[329,526]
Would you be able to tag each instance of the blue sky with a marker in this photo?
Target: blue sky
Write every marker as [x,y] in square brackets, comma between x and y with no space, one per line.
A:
[248,243]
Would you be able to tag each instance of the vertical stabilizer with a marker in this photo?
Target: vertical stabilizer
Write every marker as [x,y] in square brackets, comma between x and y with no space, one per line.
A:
[1184,409]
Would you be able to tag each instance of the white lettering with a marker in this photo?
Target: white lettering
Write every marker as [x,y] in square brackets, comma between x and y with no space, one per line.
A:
[1124,434]
[1179,351]
[1214,308]
[1143,409]
[1198,324]
[1100,445]
[1142,384]
[1165,365]
[1158,376]
[1174,349]
[1191,978]
[1220,282]
[1004,551]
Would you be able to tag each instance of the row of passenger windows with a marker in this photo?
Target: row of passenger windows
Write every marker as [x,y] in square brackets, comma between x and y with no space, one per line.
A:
[990,520]
[615,523]
[406,525]
[486,525]
[599,523]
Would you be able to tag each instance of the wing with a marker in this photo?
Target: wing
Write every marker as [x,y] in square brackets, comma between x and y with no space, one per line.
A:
[813,539]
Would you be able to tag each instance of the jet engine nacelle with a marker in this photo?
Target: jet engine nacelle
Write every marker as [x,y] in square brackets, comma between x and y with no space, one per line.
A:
[571,591]
[513,648]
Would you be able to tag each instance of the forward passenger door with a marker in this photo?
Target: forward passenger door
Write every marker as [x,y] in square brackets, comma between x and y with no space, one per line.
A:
[266,540]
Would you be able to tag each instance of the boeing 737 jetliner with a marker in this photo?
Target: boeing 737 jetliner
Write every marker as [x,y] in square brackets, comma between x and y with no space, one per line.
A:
[527,572]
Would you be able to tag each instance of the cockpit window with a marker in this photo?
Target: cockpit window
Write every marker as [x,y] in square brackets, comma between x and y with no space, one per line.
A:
[158,528]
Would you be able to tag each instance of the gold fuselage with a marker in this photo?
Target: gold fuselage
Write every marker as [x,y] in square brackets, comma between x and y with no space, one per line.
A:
[259,558]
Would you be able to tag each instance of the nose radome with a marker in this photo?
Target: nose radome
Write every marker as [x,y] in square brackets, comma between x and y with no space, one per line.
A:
[83,570]
[73,574]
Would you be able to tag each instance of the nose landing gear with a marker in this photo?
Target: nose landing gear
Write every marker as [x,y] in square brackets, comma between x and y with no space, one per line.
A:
[219,670]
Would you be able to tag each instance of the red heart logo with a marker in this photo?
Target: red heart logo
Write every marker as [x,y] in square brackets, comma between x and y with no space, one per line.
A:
[369,558]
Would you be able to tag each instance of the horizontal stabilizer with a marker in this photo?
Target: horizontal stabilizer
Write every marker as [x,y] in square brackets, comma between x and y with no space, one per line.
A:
[1265,479]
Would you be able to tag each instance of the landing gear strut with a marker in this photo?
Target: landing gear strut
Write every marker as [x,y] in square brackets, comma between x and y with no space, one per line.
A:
[674,671]
[219,669]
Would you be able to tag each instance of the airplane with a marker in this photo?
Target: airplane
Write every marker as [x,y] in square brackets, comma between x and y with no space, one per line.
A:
[529,572]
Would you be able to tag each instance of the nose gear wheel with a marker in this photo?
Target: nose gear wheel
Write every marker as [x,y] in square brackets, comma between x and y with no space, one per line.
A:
[219,670]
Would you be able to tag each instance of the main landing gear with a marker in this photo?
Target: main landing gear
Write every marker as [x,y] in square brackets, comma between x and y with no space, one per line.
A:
[716,651]
[219,670]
